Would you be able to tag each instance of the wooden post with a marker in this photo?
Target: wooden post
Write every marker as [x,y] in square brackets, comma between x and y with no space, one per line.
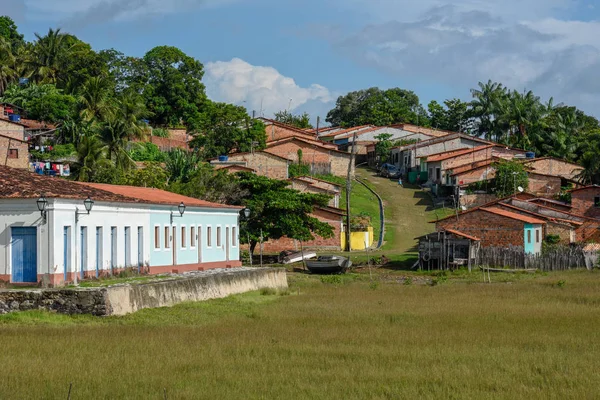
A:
[349,190]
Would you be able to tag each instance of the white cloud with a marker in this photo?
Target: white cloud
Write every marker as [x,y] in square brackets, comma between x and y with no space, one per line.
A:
[259,88]
[457,48]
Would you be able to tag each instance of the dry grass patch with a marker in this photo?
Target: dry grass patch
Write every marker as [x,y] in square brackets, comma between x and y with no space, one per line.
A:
[527,339]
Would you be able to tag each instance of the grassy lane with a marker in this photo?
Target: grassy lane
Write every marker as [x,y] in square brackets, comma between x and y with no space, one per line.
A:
[408,211]
[341,337]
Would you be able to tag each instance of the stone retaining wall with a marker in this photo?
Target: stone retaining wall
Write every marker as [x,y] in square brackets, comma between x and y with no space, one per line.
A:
[128,298]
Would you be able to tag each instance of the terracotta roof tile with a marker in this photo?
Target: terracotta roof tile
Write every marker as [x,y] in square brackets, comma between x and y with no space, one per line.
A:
[512,215]
[21,184]
[154,196]
[458,233]
[585,188]
[457,153]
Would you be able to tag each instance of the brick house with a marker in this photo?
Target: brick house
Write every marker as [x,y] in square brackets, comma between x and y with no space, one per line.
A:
[263,163]
[333,216]
[499,228]
[15,130]
[554,166]
[322,158]
[586,201]
[544,185]
[14,152]
[441,167]
[312,185]
[277,131]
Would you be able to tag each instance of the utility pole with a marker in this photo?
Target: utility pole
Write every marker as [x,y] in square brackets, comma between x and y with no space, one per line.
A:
[349,189]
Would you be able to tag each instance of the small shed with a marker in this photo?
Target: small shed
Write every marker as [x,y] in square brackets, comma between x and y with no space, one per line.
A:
[447,249]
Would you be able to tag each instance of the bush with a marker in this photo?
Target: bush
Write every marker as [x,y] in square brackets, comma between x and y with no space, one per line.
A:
[160,132]
[299,170]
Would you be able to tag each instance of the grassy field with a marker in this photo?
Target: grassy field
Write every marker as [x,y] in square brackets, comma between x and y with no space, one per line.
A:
[447,337]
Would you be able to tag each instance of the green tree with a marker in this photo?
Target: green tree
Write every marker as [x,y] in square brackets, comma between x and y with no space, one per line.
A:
[181,165]
[509,176]
[485,105]
[279,211]
[43,102]
[590,159]
[455,116]
[95,101]
[90,157]
[383,147]
[208,184]
[147,152]
[229,127]
[8,71]
[152,175]
[10,32]
[49,55]
[172,87]
[301,121]
[378,107]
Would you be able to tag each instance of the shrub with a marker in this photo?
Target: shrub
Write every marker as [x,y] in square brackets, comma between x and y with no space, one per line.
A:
[160,132]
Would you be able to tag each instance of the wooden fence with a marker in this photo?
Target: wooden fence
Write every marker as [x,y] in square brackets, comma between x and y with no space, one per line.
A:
[555,259]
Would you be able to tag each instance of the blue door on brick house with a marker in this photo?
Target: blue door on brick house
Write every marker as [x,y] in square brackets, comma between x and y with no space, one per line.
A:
[24,254]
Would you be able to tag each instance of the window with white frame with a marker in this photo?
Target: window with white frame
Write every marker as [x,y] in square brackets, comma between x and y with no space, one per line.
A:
[192,236]
[218,236]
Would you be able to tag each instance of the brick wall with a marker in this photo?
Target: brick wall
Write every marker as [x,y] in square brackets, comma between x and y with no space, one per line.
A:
[476,200]
[476,175]
[178,134]
[334,161]
[562,229]
[492,229]
[22,148]
[166,144]
[308,187]
[275,132]
[263,164]
[544,185]
[333,244]
[551,166]
[588,232]
[16,131]
[583,202]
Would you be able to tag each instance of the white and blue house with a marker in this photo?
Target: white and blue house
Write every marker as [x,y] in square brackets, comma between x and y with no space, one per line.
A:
[48,235]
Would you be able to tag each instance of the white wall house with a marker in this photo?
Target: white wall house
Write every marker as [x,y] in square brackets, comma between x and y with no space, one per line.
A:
[126,227]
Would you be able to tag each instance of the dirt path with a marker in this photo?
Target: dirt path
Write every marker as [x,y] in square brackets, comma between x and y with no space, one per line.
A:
[408,211]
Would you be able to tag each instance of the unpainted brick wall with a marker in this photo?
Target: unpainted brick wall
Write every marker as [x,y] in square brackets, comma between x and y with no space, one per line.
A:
[543,185]
[583,202]
[264,164]
[313,154]
[555,167]
[334,243]
[12,130]
[492,229]
[23,153]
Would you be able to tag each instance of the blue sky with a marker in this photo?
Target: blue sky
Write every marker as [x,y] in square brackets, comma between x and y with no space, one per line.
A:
[262,53]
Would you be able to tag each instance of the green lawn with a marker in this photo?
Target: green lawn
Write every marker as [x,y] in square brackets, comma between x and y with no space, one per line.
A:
[531,336]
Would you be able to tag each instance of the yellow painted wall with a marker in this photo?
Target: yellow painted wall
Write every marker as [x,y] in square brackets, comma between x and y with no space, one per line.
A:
[358,239]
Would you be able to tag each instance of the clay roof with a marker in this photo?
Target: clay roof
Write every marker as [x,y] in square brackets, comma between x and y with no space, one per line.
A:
[246,153]
[512,215]
[530,160]
[346,130]
[551,201]
[542,216]
[457,153]
[239,167]
[5,119]
[474,166]
[597,187]
[443,139]
[21,184]
[422,129]
[458,233]
[333,210]
[154,196]
[320,180]
[313,142]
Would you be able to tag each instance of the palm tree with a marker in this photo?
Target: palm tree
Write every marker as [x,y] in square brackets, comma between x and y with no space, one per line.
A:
[8,73]
[48,55]
[485,107]
[90,155]
[94,99]
[520,113]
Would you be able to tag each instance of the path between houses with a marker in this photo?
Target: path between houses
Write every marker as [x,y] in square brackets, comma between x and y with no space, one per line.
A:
[408,211]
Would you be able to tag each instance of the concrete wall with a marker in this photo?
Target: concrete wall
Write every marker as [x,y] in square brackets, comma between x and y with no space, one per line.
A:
[124,299]
[131,298]
[22,149]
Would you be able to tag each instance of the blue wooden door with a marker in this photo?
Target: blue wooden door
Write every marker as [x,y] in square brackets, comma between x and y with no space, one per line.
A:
[24,254]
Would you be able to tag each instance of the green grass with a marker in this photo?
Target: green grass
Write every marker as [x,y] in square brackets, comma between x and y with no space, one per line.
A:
[362,201]
[534,337]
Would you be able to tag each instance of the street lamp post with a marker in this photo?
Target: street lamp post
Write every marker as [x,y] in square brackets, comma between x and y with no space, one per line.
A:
[247,213]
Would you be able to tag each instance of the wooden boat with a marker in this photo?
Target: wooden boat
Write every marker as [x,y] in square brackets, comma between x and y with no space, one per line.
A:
[328,265]
[290,257]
